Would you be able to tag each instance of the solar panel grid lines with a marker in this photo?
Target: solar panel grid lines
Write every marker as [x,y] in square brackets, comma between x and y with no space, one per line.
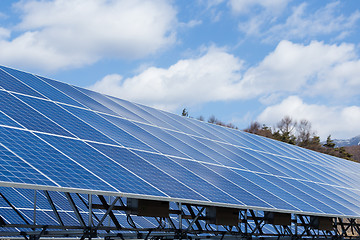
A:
[173,121]
[162,181]
[45,179]
[78,96]
[46,90]
[49,214]
[271,144]
[304,195]
[54,165]
[10,83]
[245,184]
[84,151]
[146,137]
[185,126]
[181,143]
[5,120]
[112,105]
[82,166]
[28,116]
[341,201]
[323,198]
[144,114]
[62,117]
[306,162]
[227,187]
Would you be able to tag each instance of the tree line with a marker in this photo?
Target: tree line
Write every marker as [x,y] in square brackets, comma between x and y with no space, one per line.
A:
[300,134]
[289,131]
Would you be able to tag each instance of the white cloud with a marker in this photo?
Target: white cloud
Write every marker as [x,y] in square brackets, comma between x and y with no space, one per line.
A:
[245,6]
[296,67]
[188,82]
[59,34]
[259,14]
[341,122]
[269,21]
[4,33]
[304,24]
[316,69]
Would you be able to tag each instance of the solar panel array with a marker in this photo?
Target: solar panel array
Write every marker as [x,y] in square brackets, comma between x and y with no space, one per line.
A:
[61,137]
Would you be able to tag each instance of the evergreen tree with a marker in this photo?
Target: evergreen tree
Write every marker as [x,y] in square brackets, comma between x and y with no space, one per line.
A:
[185,113]
[329,142]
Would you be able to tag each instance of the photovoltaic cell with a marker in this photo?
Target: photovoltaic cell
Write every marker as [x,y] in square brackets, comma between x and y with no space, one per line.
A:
[59,169]
[108,129]
[116,108]
[5,120]
[231,188]
[108,169]
[27,116]
[78,96]
[13,169]
[161,182]
[65,119]
[146,137]
[41,87]
[142,113]
[192,180]
[11,84]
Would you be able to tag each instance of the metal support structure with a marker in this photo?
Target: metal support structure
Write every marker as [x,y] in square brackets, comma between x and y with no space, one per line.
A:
[75,209]
[52,205]
[123,225]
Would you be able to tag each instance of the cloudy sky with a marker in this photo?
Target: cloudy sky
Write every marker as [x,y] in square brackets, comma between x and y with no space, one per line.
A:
[240,60]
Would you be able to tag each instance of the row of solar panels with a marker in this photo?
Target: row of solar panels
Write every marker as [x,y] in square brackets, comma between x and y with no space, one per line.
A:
[54,134]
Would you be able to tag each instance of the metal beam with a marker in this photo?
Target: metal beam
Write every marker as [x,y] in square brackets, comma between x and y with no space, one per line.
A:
[14,208]
[111,214]
[75,209]
[52,205]
[109,209]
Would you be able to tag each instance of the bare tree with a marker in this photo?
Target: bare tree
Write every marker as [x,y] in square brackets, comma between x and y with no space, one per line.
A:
[286,125]
[253,128]
[304,132]
[212,119]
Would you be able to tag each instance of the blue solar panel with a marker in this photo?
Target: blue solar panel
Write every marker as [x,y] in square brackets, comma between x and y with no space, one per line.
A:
[142,113]
[195,182]
[56,135]
[78,96]
[115,107]
[306,196]
[65,119]
[237,192]
[161,181]
[156,143]
[27,116]
[108,128]
[41,87]
[11,84]
[5,120]
[13,169]
[59,169]
[107,169]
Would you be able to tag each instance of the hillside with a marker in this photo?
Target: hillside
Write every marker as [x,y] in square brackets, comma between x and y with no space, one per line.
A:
[355,151]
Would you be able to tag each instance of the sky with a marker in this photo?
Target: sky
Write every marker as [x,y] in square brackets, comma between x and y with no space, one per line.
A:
[239,60]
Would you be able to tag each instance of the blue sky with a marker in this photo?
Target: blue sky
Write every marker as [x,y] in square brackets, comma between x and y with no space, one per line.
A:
[240,60]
